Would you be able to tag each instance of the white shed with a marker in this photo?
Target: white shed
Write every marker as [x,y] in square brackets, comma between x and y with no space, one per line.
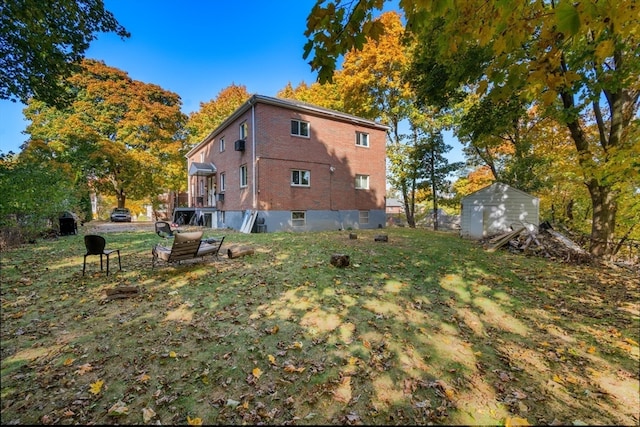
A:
[493,209]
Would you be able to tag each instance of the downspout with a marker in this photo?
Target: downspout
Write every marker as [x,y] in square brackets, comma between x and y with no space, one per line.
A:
[253,155]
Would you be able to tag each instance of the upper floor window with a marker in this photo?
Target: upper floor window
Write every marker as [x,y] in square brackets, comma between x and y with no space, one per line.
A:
[299,128]
[223,182]
[300,178]
[244,130]
[362,139]
[202,157]
[362,182]
[221,145]
[243,176]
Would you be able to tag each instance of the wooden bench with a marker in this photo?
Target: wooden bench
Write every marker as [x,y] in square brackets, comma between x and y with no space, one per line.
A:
[185,246]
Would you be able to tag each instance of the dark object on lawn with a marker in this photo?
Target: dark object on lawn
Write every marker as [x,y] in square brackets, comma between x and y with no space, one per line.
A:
[163,229]
[353,236]
[68,224]
[238,251]
[95,246]
[340,260]
[381,238]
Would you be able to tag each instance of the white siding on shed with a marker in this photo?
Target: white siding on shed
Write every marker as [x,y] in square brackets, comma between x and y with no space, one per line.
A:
[493,209]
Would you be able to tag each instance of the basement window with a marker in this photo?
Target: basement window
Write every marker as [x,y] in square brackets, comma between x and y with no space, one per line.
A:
[298,218]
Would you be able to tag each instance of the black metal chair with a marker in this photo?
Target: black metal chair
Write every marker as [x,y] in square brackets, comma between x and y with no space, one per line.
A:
[96,246]
[163,229]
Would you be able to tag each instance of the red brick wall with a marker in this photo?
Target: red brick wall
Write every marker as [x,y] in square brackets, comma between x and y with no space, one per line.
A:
[331,145]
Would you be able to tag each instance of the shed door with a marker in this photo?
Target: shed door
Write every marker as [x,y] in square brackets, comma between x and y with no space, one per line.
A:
[476,222]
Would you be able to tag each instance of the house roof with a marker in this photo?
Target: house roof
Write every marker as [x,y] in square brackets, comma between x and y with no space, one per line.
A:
[394,203]
[202,169]
[290,104]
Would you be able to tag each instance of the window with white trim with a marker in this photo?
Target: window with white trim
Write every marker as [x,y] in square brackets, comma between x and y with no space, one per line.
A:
[362,139]
[221,145]
[300,178]
[243,176]
[244,130]
[298,218]
[223,182]
[362,182]
[299,128]
[363,217]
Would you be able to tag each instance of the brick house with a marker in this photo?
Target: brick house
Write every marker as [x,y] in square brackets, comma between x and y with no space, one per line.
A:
[285,165]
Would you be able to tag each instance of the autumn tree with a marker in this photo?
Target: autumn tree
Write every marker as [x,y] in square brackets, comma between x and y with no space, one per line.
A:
[43,42]
[212,113]
[326,95]
[122,136]
[578,61]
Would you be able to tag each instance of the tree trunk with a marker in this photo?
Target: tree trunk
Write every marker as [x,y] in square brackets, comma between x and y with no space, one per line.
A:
[432,173]
[603,225]
[122,198]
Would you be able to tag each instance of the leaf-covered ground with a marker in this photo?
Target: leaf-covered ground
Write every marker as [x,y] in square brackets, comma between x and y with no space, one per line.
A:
[424,328]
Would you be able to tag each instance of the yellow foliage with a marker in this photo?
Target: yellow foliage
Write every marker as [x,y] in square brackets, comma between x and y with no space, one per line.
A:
[515,421]
[257,372]
[96,387]
[194,421]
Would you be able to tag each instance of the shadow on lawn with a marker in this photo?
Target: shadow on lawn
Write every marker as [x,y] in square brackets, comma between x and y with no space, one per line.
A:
[427,328]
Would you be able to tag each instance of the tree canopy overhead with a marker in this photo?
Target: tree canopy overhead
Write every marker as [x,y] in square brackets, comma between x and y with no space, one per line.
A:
[579,62]
[42,43]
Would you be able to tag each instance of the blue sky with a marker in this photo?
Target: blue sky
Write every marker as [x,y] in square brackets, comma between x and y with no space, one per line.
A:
[196,49]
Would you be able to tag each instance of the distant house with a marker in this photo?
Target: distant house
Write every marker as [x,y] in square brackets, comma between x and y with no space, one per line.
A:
[394,206]
[278,164]
[494,209]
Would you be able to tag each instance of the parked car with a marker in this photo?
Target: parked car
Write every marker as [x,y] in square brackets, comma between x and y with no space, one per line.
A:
[120,215]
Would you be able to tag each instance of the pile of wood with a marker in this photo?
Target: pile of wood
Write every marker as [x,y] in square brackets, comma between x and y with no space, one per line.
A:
[545,242]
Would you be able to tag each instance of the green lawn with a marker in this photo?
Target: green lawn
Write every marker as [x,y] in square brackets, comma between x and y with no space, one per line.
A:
[424,328]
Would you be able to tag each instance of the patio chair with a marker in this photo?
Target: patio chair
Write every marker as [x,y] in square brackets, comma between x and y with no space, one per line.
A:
[163,229]
[95,245]
[185,246]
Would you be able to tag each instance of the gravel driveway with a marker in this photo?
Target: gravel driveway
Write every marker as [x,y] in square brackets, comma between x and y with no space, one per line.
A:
[110,227]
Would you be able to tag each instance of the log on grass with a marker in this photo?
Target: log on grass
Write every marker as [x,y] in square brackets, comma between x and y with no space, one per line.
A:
[238,251]
[122,292]
[353,236]
[381,238]
[340,260]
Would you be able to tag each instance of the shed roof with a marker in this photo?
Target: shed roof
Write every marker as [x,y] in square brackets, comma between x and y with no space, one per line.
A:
[497,186]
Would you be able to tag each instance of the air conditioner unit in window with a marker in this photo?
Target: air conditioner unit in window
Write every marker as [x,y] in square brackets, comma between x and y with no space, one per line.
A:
[239,145]
[220,197]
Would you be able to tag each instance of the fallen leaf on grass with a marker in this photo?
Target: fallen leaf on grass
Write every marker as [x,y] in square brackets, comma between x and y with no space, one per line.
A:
[257,372]
[118,409]
[291,368]
[83,369]
[143,378]
[96,387]
[515,421]
[148,414]
[343,392]
[68,361]
[272,359]
[194,421]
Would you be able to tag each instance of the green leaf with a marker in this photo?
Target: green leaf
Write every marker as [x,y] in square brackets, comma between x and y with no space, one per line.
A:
[567,18]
